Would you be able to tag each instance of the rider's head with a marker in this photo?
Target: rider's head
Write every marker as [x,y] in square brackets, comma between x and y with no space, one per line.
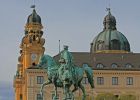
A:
[62,60]
[65,47]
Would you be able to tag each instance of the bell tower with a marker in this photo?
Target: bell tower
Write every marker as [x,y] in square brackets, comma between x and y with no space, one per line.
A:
[32,43]
[31,50]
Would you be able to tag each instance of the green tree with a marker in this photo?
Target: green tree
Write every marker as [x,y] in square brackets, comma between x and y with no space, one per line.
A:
[127,97]
[106,96]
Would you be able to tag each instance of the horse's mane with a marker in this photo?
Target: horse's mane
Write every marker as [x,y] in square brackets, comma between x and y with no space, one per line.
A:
[51,59]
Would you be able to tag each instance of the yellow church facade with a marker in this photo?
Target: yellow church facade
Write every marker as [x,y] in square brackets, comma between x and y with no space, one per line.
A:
[116,69]
[31,50]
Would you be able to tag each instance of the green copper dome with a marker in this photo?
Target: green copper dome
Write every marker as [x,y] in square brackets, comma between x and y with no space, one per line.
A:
[34,18]
[110,39]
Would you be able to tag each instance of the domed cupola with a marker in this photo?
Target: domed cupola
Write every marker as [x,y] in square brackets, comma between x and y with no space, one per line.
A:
[33,24]
[34,18]
[110,40]
[109,22]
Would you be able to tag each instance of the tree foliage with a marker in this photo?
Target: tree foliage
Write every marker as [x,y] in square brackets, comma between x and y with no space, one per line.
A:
[127,97]
[109,96]
[106,96]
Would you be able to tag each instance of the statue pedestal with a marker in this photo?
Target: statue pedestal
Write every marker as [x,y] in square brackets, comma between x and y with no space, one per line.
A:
[55,98]
[67,99]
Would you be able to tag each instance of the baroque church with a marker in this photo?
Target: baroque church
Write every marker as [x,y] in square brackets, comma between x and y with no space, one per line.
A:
[116,69]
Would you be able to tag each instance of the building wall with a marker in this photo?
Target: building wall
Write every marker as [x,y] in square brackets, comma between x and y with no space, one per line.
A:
[121,88]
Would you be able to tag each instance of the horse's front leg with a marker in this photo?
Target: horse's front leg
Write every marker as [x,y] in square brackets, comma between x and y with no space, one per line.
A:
[66,92]
[42,86]
[71,95]
[83,90]
[55,96]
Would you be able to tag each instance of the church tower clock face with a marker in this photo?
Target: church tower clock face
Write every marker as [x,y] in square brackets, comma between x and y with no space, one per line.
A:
[33,56]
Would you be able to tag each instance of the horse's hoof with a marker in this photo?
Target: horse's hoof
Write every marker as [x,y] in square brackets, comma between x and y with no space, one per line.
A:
[83,97]
[55,98]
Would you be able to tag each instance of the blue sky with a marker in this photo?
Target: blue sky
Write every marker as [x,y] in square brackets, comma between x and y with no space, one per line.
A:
[74,22]
[6,91]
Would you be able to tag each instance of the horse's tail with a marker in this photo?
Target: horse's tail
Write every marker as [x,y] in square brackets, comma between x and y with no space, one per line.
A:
[89,73]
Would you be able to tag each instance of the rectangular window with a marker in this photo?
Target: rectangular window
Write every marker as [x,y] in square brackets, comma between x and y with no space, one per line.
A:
[20,97]
[85,80]
[39,97]
[40,79]
[31,83]
[114,80]
[100,80]
[129,80]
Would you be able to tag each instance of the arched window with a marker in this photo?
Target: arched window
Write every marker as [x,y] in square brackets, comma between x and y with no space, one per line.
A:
[128,65]
[114,65]
[99,65]
[85,64]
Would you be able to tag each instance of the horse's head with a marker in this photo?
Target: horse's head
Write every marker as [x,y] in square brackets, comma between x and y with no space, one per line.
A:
[46,61]
[43,61]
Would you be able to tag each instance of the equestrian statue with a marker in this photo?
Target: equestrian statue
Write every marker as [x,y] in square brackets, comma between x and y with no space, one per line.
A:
[65,74]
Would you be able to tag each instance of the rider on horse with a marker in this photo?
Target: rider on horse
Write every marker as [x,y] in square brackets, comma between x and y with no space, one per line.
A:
[66,57]
[66,65]
[65,74]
